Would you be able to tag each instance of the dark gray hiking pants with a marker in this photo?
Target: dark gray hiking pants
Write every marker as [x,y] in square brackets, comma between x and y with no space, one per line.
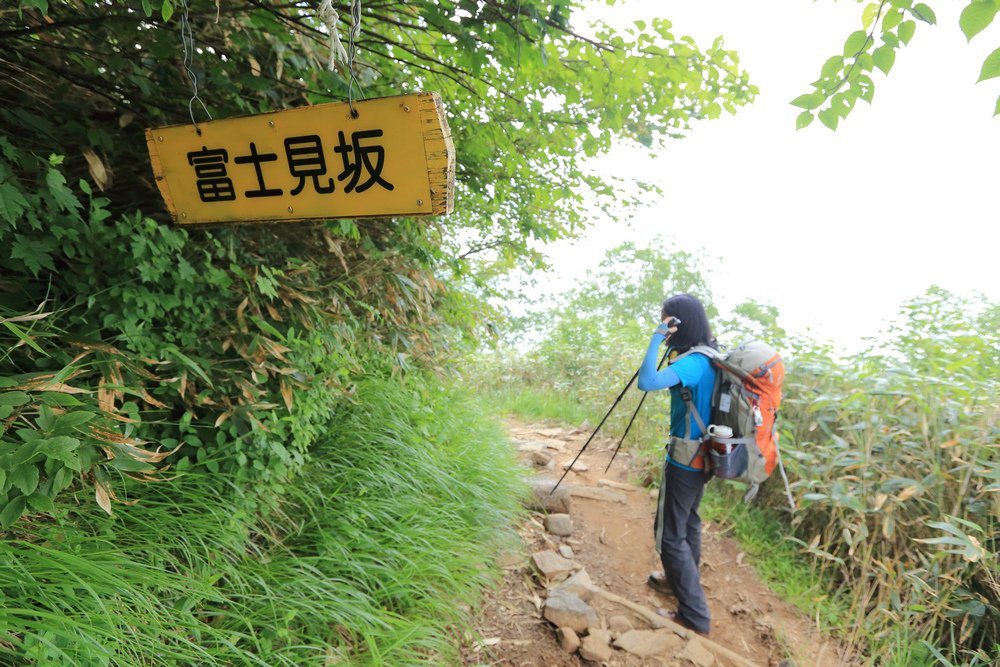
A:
[678,539]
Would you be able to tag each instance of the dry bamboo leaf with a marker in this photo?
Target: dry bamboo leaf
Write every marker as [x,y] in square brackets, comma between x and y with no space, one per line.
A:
[102,497]
[286,393]
[950,443]
[880,499]
[147,456]
[118,417]
[223,417]
[254,66]
[146,396]
[98,347]
[105,398]
[908,493]
[240,309]
[101,176]
[113,437]
[58,387]
[25,318]
[273,312]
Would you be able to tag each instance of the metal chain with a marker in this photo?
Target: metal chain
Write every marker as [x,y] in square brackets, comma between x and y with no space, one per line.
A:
[352,50]
[187,39]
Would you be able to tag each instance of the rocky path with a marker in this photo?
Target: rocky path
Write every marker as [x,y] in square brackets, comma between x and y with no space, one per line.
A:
[576,594]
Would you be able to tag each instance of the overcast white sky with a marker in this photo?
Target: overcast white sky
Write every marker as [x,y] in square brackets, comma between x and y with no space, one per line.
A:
[902,196]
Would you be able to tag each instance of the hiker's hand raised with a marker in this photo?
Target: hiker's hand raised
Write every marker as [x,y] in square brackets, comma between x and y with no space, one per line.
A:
[665,329]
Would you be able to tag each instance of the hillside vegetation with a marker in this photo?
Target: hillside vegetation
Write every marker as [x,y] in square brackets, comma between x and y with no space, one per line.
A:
[893,452]
[239,445]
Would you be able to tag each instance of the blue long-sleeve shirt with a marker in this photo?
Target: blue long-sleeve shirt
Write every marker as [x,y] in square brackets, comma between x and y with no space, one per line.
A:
[694,371]
[651,379]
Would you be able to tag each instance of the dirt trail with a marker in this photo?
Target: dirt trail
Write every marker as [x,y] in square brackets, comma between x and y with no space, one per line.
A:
[612,540]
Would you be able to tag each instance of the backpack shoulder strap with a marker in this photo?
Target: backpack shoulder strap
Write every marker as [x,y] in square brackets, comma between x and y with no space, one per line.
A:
[685,392]
[709,352]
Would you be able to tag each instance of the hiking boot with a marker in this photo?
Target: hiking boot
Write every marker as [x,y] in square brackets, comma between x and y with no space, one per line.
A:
[657,580]
[679,620]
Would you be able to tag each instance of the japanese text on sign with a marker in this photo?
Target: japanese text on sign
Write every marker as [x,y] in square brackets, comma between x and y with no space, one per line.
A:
[312,162]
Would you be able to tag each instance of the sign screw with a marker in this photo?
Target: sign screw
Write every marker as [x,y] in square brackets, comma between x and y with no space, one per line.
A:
[160,138]
[420,202]
[406,108]
[270,123]
[290,209]
[184,215]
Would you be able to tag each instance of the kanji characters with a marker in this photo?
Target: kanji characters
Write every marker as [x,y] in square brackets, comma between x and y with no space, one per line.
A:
[362,157]
[363,164]
[210,173]
[305,158]
[256,159]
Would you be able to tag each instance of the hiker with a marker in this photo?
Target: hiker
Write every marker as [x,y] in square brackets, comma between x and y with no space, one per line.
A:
[678,526]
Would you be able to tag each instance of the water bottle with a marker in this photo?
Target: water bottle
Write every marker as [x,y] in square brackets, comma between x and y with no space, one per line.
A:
[720,432]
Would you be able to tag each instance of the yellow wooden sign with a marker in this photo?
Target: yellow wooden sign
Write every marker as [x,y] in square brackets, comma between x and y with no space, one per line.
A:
[395,157]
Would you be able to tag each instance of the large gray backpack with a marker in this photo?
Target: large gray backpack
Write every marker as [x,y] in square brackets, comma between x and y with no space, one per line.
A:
[745,399]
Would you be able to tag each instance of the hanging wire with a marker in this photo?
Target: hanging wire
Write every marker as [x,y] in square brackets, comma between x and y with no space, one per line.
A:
[352,50]
[187,39]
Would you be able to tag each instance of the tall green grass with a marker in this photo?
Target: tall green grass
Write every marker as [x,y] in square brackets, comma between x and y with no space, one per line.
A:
[367,558]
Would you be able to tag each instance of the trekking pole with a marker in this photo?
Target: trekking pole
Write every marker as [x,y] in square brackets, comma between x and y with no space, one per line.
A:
[606,415]
[641,400]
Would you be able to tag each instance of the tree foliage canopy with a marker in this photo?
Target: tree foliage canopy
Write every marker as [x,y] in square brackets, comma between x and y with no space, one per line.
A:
[529,94]
[886,27]
[233,346]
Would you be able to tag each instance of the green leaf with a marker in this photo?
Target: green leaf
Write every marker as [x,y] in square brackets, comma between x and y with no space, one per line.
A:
[856,42]
[991,67]
[34,253]
[73,419]
[25,338]
[808,101]
[130,465]
[906,30]
[866,88]
[12,203]
[62,479]
[892,18]
[167,10]
[830,118]
[976,17]
[58,446]
[832,66]
[996,110]
[869,14]
[924,13]
[147,8]
[843,102]
[25,478]
[884,57]
[803,120]
[40,502]
[14,398]
[63,195]
[12,511]
[190,364]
